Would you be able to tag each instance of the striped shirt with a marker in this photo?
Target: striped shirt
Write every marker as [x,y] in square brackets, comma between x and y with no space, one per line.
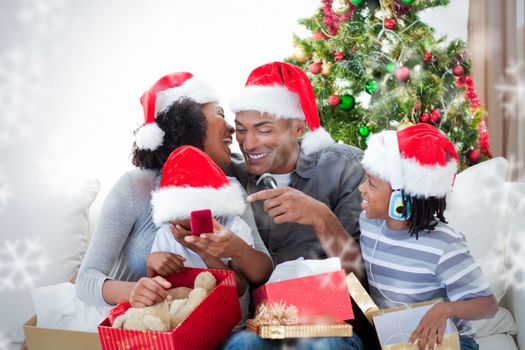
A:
[403,270]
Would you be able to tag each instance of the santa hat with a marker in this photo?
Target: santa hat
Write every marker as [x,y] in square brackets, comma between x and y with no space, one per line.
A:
[284,91]
[161,95]
[192,181]
[426,163]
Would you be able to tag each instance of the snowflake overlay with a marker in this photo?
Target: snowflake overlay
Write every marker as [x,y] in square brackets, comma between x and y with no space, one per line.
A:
[350,256]
[5,192]
[4,342]
[22,262]
[513,90]
[516,257]
[22,65]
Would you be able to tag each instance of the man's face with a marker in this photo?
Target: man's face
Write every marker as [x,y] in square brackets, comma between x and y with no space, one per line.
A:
[269,145]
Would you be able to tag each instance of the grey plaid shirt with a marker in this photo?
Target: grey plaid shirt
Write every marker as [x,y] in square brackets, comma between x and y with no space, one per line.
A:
[331,176]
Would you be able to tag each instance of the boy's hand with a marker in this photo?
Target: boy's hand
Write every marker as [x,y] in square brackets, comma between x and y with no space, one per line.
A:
[165,263]
[431,328]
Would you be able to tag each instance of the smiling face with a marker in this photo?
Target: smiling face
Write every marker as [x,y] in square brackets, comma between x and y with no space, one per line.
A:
[269,145]
[218,134]
[376,197]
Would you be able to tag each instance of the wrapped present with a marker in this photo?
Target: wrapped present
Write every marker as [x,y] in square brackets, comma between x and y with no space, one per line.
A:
[361,297]
[279,321]
[204,328]
[312,293]
[395,325]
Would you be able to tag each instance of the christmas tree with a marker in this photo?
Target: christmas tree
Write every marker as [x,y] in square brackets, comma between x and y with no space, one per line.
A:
[375,65]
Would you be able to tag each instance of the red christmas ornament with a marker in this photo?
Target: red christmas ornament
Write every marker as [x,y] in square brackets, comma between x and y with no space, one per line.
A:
[334,100]
[315,68]
[402,73]
[474,156]
[428,56]
[424,117]
[390,23]
[418,105]
[435,116]
[458,71]
[319,36]
[339,56]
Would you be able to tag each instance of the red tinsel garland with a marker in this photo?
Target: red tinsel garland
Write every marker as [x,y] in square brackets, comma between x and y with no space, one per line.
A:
[332,20]
[483,130]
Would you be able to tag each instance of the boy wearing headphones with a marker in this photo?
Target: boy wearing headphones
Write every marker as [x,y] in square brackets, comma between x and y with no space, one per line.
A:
[411,254]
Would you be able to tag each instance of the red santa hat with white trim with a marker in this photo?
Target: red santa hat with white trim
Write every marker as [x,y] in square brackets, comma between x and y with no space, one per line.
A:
[161,95]
[192,181]
[429,160]
[284,91]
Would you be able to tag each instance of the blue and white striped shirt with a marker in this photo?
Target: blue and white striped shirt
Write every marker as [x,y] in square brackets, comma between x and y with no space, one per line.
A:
[403,270]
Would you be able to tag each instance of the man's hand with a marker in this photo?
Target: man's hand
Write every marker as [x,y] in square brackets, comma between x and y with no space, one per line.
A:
[431,328]
[149,291]
[165,263]
[286,204]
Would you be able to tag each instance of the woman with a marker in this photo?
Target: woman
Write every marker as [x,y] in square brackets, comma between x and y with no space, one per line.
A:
[114,267]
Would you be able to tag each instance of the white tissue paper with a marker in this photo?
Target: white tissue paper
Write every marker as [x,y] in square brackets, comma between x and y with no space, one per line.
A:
[302,268]
[58,307]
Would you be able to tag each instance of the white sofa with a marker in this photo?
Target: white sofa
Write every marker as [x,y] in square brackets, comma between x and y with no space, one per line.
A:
[491,214]
[490,211]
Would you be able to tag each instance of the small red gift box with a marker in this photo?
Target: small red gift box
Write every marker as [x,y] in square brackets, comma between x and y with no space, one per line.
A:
[205,328]
[325,294]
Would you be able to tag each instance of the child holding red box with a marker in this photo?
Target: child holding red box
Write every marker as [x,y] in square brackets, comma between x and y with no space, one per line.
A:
[192,181]
[411,254]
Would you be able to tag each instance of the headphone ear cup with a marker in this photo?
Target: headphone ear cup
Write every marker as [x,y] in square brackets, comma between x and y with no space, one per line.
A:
[396,207]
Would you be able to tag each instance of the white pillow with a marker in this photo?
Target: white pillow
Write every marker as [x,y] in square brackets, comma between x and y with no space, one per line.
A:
[43,241]
[478,207]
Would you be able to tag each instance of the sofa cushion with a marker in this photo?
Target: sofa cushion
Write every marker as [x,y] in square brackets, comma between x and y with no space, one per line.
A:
[497,342]
[478,207]
[44,238]
[515,253]
[501,323]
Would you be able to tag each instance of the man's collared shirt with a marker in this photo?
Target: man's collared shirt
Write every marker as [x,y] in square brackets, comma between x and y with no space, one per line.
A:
[331,176]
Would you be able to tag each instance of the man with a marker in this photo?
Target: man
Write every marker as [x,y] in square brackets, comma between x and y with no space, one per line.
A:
[314,211]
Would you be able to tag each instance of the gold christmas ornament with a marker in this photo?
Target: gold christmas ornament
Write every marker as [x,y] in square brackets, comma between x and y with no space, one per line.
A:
[299,55]
[326,68]
[329,46]
[405,123]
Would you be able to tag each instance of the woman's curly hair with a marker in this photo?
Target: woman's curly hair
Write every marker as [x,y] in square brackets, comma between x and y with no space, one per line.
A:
[183,124]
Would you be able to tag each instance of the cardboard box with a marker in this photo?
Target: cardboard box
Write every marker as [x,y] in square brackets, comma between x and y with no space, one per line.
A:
[324,294]
[205,328]
[395,325]
[361,297]
[340,329]
[38,338]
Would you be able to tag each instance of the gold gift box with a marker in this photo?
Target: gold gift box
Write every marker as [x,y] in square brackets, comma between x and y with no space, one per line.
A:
[361,297]
[299,331]
[450,341]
